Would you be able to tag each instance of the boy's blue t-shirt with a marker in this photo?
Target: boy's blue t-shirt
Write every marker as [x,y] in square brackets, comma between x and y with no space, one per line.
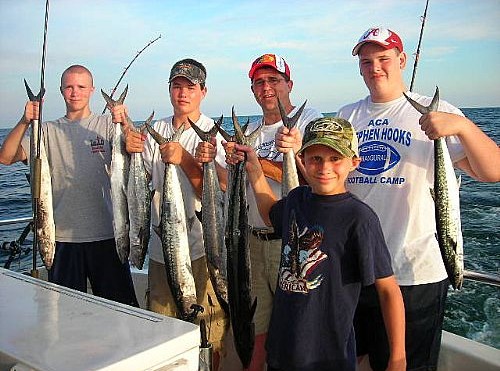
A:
[332,245]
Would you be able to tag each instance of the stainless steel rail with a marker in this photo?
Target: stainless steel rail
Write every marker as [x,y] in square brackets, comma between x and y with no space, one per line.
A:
[15,220]
[489,278]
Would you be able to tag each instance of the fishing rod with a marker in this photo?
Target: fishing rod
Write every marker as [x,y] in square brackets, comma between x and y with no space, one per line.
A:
[35,142]
[126,69]
[417,54]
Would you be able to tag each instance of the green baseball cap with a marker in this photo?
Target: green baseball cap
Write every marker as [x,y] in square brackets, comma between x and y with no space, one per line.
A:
[189,69]
[333,132]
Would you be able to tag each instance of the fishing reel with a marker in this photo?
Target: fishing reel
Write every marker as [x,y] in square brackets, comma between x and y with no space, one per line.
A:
[15,248]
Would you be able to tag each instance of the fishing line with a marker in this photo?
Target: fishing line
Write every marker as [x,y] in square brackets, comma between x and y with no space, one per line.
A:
[126,69]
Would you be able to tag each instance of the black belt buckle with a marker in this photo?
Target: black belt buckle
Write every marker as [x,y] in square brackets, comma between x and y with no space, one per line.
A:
[265,235]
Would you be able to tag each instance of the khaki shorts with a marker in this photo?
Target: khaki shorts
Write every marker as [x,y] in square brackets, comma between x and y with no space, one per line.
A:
[265,262]
[160,300]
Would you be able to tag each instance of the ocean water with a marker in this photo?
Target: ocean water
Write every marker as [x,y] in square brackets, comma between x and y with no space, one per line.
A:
[473,312]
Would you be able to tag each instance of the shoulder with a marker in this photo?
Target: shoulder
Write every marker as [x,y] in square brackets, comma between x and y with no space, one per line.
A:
[253,125]
[59,121]
[205,122]
[349,108]
[309,114]
[105,121]
[296,195]
[52,123]
[361,208]
[102,118]
[299,195]
[162,124]
[163,121]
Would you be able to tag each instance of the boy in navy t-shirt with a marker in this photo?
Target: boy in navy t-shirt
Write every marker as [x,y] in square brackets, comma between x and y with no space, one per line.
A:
[332,245]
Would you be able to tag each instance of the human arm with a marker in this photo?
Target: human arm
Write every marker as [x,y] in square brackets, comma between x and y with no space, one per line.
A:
[11,150]
[482,161]
[119,114]
[290,140]
[175,153]
[206,152]
[134,140]
[264,195]
[391,303]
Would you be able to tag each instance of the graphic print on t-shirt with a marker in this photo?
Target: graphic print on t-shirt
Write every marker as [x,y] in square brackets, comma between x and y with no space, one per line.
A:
[97,144]
[378,144]
[301,256]
[267,150]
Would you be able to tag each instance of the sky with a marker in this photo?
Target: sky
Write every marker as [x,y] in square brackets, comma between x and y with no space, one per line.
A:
[460,50]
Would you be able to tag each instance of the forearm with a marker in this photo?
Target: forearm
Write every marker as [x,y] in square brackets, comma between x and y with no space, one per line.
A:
[391,303]
[483,154]
[11,150]
[193,171]
[222,175]
[264,195]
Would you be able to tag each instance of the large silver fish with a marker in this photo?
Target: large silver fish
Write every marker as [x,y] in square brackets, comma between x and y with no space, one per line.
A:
[120,163]
[174,238]
[290,176]
[229,167]
[45,226]
[212,215]
[41,191]
[447,203]
[239,278]
[139,205]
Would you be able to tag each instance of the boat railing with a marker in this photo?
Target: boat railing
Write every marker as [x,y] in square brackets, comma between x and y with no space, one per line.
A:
[15,220]
[492,279]
[15,247]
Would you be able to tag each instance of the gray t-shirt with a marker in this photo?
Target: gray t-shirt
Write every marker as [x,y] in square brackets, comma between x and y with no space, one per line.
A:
[79,156]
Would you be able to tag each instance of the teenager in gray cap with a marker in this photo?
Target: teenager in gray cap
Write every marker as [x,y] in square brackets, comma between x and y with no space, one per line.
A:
[187,90]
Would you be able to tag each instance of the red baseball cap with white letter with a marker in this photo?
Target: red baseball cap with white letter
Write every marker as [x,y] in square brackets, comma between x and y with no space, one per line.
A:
[381,36]
[270,60]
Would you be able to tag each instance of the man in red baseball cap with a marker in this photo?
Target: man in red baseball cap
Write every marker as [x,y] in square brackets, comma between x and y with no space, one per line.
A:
[270,60]
[270,79]
[396,150]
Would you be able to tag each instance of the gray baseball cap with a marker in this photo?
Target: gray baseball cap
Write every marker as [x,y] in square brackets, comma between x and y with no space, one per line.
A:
[185,68]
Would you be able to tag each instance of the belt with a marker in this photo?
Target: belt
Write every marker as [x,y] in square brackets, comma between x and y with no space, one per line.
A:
[265,234]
